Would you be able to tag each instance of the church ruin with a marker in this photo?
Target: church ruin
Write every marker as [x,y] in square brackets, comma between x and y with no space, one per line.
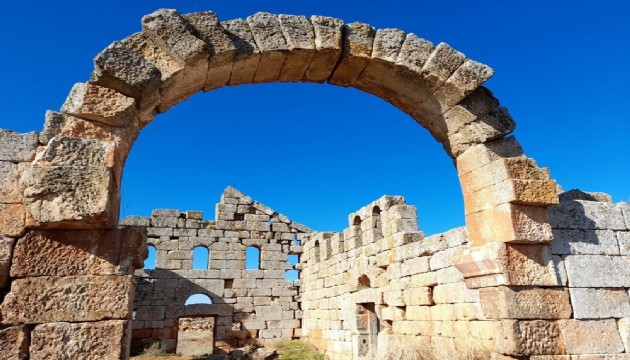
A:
[533,275]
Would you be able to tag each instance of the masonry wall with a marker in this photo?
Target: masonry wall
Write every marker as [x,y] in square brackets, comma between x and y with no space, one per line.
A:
[592,242]
[412,292]
[250,306]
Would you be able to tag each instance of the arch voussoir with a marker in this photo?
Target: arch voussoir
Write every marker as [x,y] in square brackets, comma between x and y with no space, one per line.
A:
[172,33]
[358,41]
[300,36]
[273,46]
[328,45]
[205,25]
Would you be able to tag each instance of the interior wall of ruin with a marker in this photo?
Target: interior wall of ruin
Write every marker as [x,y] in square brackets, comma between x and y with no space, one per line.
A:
[250,306]
[407,281]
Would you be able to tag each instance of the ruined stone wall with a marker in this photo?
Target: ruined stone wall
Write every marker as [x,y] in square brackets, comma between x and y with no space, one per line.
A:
[249,306]
[381,281]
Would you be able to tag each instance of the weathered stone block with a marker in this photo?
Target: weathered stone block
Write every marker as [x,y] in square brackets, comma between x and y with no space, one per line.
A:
[14,342]
[357,53]
[497,264]
[525,303]
[206,26]
[80,252]
[589,303]
[71,298]
[464,81]
[101,104]
[71,184]
[172,34]
[106,340]
[247,52]
[509,223]
[17,147]
[441,65]
[481,155]
[515,191]
[128,73]
[584,242]
[597,271]
[533,337]
[300,36]
[478,103]
[591,337]
[12,219]
[328,42]
[588,215]
[9,189]
[271,43]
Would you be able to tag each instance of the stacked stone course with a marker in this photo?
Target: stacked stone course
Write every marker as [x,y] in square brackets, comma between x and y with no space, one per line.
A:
[249,305]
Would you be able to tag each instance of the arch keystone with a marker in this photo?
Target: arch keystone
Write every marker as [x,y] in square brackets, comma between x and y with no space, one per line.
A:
[357,52]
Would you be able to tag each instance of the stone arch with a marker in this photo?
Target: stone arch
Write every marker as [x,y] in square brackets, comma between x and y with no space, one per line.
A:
[74,179]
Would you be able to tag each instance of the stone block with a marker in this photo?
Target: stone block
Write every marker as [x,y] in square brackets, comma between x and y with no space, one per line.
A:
[590,303]
[453,293]
[497,264]
[591,337]
[17,147]
[530,337]
[14,342]
[462,82]
[587,215]
[79,252]
[414,53]
[525,303]
[481,155]
[300,36]
[509,223]
[71,184]
[206,26]
[494,125]
[135,221]
[9,189]
[418,296]
[247,52]
[271,43]
[128,73]
[71,298]
[584,242]
[440,65]
[101,104]
[12,219]
[515,191]
[357,52]
[328,45]
[106,340]
[173,35]
[478,103]
[597,271]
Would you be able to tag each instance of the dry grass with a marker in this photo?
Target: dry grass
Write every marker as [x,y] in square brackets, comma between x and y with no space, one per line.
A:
[296,350]
[416,350]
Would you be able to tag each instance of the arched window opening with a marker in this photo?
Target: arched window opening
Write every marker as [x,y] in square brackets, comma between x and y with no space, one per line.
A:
[364,281]
[252,258]
[376,217]
[356,221]
[316,251]
[151,260]
[198,299]
[201,256]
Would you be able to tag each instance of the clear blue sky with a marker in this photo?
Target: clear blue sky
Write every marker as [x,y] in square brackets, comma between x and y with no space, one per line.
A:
[318,152]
